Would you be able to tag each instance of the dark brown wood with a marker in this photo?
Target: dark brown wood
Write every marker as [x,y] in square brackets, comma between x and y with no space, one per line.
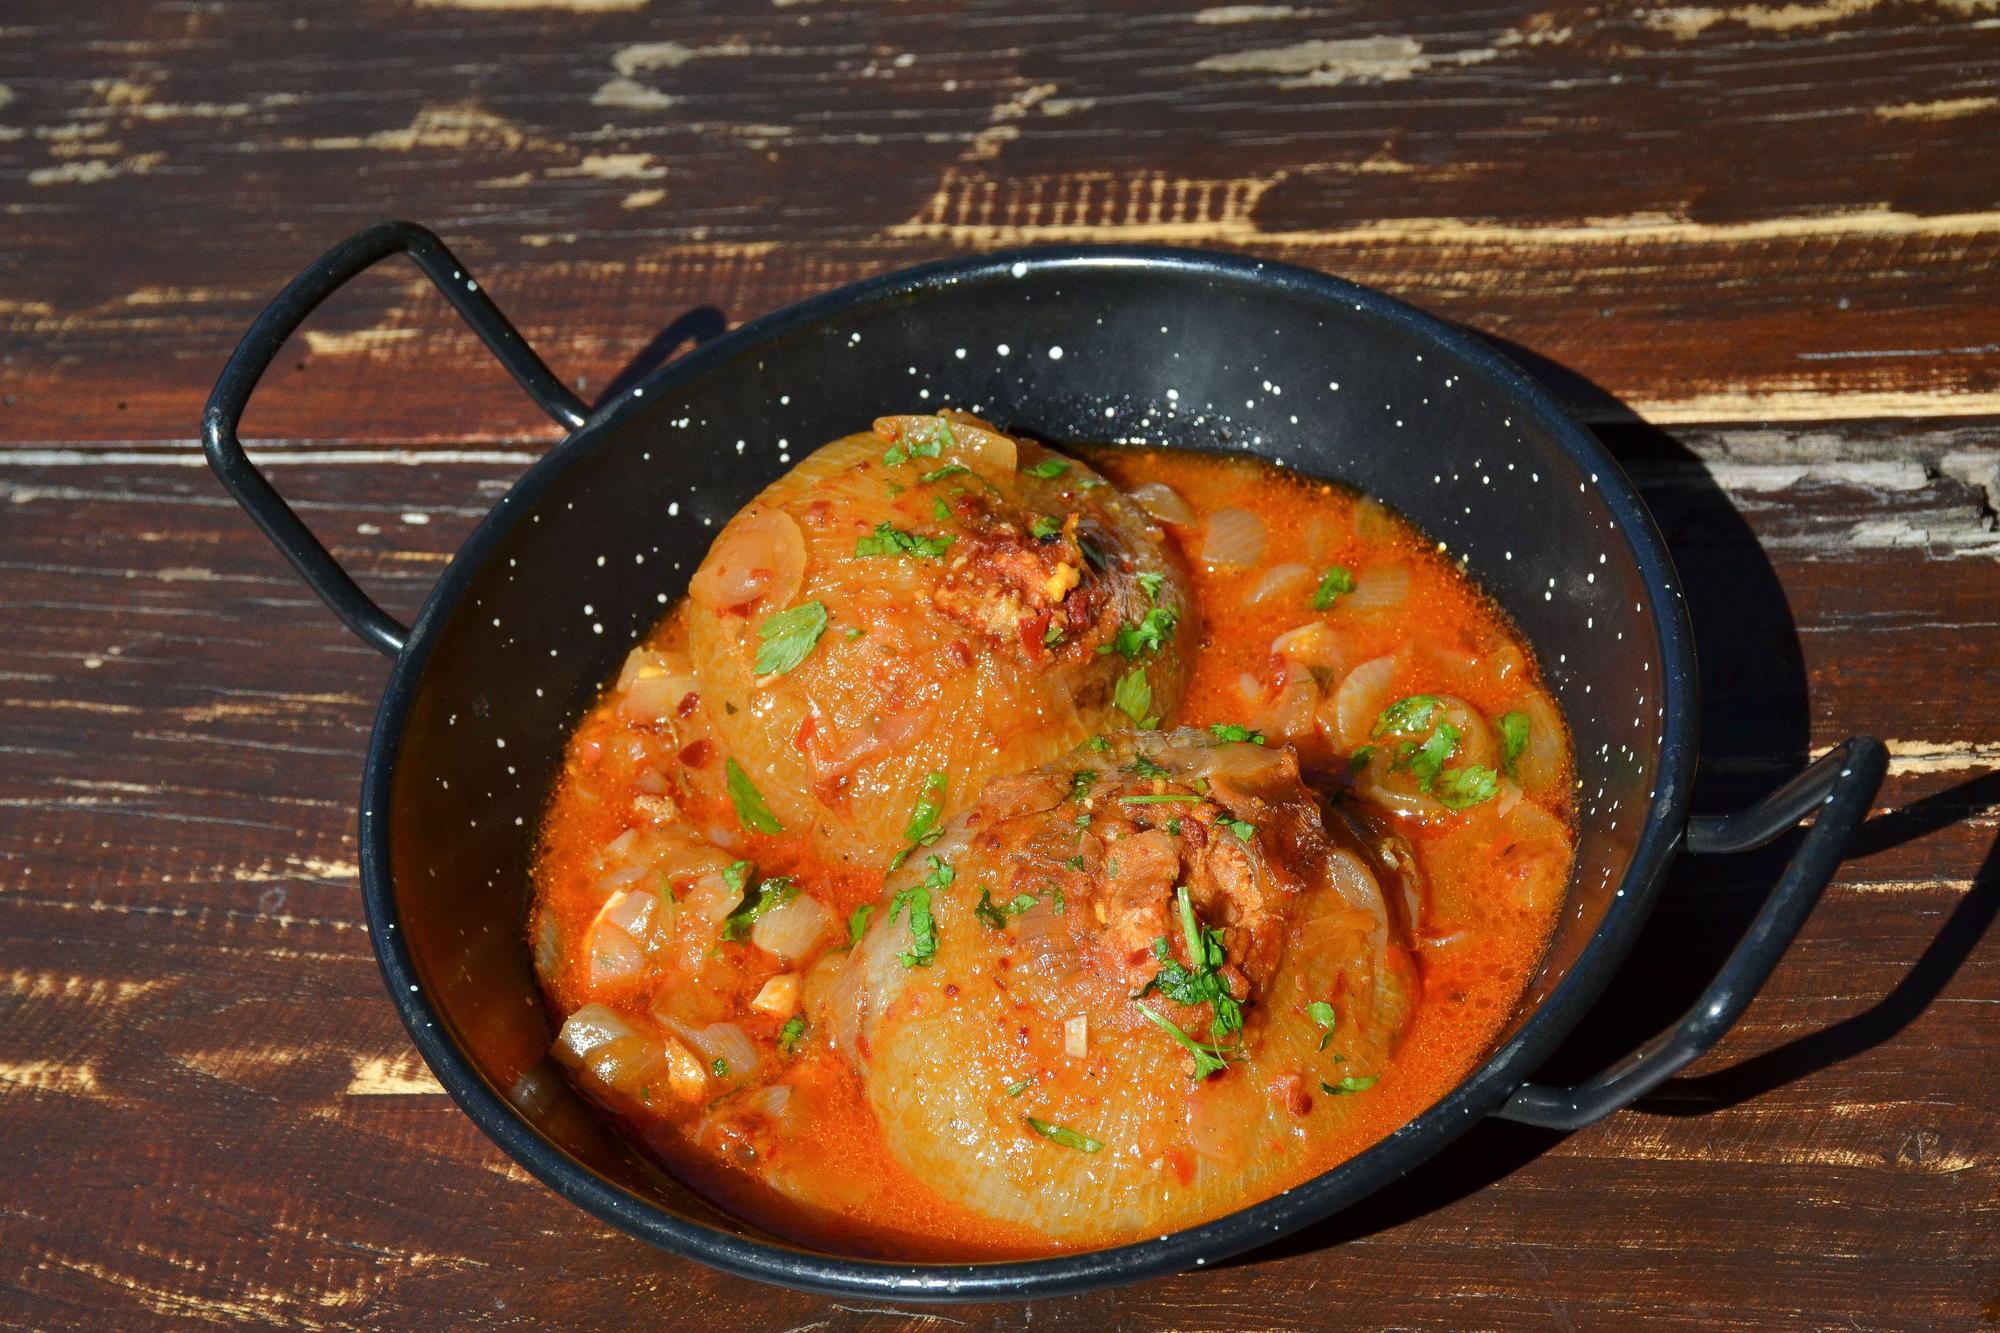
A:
[1757,245]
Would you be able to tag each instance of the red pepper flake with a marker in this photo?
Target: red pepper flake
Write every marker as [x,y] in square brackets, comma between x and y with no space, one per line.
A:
[689,702]
[697,753]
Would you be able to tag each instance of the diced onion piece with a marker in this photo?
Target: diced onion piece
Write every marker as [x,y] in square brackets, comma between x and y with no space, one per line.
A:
[1291,714]
[588,1028]
[630,910]
[1377,590]
[685,1073]
[788,932]
[759,556]
[1315,645]
[651,698]
[711,898]
[769,1101]
[718,1041]
[1235,538]
[1373,522]
[1163,502]
[1541,759]
[778,997]
[1361,699]
[1280,581]
[639,662]
[1076,1036]
[616,850]
[614,955]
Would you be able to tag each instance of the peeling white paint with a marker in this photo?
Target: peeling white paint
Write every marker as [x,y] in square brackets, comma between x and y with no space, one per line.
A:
[1329,62]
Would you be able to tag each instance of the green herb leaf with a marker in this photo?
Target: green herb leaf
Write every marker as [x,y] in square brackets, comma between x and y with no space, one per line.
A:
[888,539]
[1359,759]
[1468,786]
[948,470]
[996,915]
[1323,1014]
[1134,697]
[1098,745]
[1242,828]
[1068,1138]
[719,1067]
[923,830]
[1166,798]
[1207,1059]
[1408,717]
[1148,635]
[1052,637]
[1092,483]
[857,923]
[1016,1089]
[751,811]
[738,875]
[1079,783]
[1151,583]
[1347,1085]
[788,638]
[789,1034]
[1146,768]
[1336,583]
[1045,528]
[773,892]
[941,512]
[1174,827]
[923,926]
[1200,981]
[931,445]
[1047,468]
[1230,732]
[1513,739]
[1428,759]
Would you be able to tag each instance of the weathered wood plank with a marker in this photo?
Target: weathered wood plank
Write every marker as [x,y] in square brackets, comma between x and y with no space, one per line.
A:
[1546,174]
[212,1114]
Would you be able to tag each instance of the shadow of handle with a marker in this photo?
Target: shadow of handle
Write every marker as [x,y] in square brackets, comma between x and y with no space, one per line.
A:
[1841,786]
[288,309]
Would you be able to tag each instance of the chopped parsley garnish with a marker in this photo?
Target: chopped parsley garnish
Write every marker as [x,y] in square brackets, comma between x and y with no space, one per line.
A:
[853,632]
[1347,1085]
[1513,739]
[1426,761]
[931,446]
[1323,1014]
[996,914]
[947,471]
[1359,759]
[773,892]
[940,511]
[1091,555]
[1074,863]
[1242,828]
[1146,768]
[1048,468]
[1229,731]
[1097,744]
[719,1067]
[1052,637]
[1468,786]
[922,830]
[1199,982]
[1336,583]
[1167,798]
[738,875]
[1174,827]
[1148,635]
[788,638]
[1407,716]
[1079,783]
[857,923]
[789,1034]
[1134,697]
[1092,483]
[1151,583]
[751,811]
[1207,1059]
[1068,1138]
[1045,528]
[888,539]
[1016,1089]
[923,926]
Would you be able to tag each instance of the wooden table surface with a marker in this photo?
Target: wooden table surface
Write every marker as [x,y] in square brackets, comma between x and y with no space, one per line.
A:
[1756,245]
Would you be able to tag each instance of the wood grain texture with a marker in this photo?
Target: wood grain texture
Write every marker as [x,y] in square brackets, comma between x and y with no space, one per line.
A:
[1782,220]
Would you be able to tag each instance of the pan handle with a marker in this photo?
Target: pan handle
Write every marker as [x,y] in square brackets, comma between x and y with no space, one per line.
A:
[1840,787]
[279,321]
